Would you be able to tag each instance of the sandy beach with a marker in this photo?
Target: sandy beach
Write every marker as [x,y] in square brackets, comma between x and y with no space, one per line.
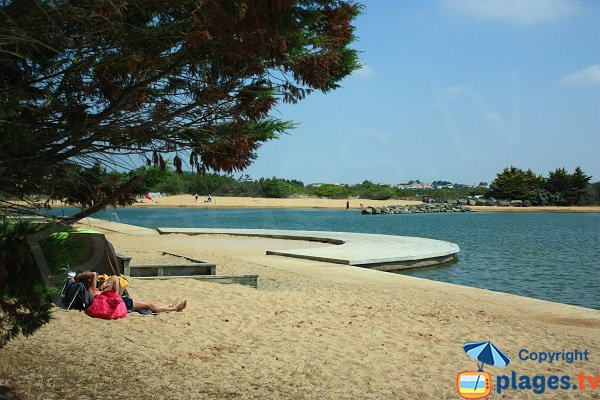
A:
[313,202]
[261,202]
[311,330]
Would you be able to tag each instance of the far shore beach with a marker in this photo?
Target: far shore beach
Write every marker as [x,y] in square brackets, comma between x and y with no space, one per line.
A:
[314,202]
[312,330]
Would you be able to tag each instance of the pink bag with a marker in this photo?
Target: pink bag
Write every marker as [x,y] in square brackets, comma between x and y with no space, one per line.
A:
[107,305]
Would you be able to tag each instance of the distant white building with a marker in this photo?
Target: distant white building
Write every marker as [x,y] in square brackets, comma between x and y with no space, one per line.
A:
[462,186]
[414,186]
[316,185]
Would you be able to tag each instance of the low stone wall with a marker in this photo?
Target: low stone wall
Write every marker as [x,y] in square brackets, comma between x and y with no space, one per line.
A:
[417,209]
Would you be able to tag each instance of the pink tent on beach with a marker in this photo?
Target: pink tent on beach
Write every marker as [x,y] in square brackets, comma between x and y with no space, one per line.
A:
[147,195]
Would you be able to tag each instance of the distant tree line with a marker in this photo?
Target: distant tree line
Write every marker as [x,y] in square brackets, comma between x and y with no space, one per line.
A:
[83,81]
[169,182]
[560,188]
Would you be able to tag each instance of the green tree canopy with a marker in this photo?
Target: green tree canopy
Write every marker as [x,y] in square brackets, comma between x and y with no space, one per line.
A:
[83,81]
[560,188]
[276,187]
[514,183]
[331,191]
[559,181]
[569,187]
[579,182]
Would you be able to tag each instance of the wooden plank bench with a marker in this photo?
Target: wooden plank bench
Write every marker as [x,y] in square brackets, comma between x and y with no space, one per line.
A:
[154,270]
[195,269]
[245,280]
[123,263]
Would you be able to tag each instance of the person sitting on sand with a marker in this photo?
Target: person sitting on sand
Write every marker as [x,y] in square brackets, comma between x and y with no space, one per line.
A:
[112,283]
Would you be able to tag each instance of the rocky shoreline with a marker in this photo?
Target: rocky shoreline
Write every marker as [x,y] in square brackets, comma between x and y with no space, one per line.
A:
[416,209]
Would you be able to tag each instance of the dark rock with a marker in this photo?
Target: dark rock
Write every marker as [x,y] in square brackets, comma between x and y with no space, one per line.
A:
[416,209]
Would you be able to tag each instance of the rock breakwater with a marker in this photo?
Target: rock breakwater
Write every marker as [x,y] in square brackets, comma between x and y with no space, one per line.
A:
[416,209]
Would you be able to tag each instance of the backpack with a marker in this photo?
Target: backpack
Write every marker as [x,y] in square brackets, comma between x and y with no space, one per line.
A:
[75,295]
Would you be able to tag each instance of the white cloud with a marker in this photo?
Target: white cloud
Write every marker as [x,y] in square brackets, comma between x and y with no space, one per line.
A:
[364,70]
[586,76]
[521,11]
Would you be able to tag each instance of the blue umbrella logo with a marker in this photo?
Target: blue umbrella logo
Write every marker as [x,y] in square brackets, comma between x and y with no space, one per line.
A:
[486,353]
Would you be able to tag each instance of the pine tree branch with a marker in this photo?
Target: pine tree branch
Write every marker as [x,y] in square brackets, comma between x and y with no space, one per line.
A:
[128,186]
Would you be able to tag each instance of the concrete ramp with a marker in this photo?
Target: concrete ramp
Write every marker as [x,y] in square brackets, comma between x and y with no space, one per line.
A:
[381,252]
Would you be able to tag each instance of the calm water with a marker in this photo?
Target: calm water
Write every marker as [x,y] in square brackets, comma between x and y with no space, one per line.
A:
[549,256]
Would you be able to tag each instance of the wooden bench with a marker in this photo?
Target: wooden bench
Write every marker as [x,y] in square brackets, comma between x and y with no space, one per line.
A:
[158,270]
[245,280]
[195,269]
[123,263]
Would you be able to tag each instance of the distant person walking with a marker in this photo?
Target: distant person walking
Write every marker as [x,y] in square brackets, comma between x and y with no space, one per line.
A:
[347,205]
[196,197]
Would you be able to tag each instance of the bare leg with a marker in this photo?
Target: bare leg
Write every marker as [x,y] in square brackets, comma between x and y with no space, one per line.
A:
[159,308]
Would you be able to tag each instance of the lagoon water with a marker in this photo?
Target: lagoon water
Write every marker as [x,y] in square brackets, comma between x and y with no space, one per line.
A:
[550,256]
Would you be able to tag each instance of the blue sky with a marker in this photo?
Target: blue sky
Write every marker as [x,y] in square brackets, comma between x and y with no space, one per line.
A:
[453,90]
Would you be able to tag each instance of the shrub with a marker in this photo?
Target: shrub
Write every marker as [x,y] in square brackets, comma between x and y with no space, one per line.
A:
[25,302]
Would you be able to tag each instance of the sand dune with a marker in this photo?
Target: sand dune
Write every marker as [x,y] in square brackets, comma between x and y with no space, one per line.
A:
[311,330]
